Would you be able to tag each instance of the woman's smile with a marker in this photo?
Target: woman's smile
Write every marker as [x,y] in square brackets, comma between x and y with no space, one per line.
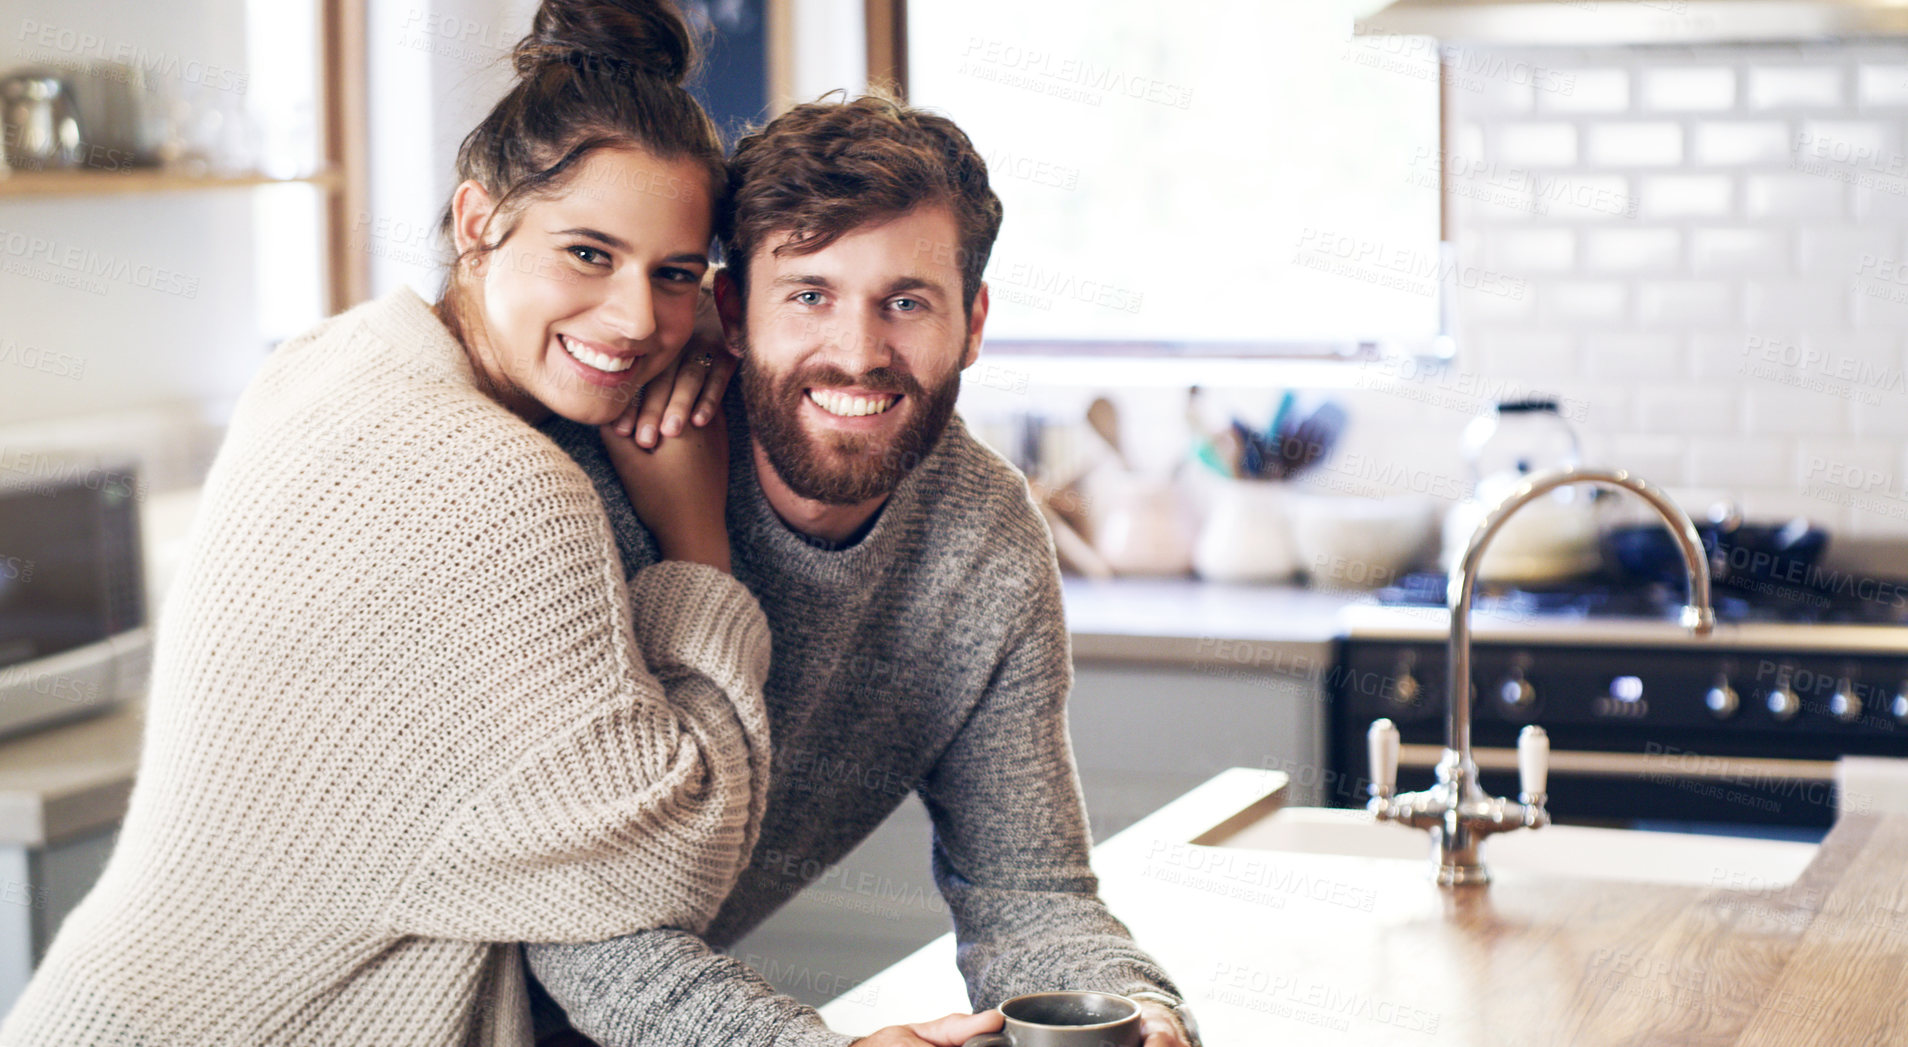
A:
[597,357]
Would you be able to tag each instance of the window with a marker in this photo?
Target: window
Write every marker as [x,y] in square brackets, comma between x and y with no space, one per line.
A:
[1229,177]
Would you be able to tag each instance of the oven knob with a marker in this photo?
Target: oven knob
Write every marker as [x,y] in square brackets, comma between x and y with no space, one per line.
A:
[1407,689]
[1783,702]
[1722,699]
[1900,705]
[1516,691]
[1845,703]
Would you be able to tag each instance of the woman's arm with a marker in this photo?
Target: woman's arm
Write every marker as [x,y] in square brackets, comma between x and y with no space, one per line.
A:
[632,797]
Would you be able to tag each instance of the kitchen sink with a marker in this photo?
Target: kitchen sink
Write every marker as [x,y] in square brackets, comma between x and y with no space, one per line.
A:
[1685,859]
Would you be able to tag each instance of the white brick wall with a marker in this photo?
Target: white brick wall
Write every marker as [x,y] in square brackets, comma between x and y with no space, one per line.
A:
[1738,329]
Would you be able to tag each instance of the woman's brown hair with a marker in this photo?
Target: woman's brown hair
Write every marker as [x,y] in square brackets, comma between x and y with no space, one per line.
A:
[591,74]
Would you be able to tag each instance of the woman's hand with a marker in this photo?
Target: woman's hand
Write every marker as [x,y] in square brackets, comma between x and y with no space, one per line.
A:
[680,489]
[689,391]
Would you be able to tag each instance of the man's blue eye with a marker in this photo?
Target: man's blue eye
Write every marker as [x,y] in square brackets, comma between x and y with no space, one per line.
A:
[809,297]
[907,305]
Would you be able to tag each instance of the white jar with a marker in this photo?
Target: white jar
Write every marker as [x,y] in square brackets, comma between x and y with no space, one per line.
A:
[1248,534]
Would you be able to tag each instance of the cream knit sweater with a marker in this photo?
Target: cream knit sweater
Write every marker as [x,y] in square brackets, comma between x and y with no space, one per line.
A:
[401,718]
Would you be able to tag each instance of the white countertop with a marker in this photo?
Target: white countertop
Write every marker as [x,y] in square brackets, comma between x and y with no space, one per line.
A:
[1186,621]
[1183,619]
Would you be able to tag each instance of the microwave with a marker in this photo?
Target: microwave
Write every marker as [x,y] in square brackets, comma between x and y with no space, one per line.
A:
[74,638]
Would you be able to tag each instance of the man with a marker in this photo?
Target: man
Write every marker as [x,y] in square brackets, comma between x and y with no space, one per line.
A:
[910,585]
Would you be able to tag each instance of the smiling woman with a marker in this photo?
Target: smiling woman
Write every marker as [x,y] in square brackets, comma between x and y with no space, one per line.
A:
[406,708]
[570,311]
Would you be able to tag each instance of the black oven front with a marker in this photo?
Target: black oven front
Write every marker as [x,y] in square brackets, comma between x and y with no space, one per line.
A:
[1718,733]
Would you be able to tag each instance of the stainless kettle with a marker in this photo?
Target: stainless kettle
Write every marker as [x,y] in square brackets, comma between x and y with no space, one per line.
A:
[40,121]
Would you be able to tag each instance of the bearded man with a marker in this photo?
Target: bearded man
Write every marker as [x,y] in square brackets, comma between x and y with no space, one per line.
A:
[912,592]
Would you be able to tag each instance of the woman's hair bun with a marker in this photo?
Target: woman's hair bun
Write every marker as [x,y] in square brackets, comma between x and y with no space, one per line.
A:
[645,35]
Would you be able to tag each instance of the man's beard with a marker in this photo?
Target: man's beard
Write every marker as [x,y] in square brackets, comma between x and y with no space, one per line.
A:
[843,468]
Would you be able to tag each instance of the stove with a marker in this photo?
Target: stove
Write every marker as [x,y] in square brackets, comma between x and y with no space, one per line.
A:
[1819,597]
[1648,725]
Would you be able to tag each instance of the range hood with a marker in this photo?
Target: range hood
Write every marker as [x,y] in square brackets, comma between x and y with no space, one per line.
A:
[1599,22]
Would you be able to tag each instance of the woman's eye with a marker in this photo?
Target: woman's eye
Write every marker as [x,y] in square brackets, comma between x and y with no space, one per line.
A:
[588,255]
[809,297]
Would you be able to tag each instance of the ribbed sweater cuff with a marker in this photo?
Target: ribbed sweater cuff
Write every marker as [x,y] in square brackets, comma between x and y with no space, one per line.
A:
[807,1030]
[693,616]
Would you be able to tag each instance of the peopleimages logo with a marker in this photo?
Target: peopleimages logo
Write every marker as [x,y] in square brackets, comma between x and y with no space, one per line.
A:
[86,264]
[50,685]
[1465,67]
[1844,376]
[47,43]
[1399,268]
[1517,187]
[46,361]
[1065,77]
[14,569]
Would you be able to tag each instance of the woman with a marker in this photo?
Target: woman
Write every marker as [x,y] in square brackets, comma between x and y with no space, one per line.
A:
[402,713]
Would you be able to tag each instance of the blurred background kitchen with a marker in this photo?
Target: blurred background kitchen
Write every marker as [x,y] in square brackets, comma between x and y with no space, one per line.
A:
[1286,292]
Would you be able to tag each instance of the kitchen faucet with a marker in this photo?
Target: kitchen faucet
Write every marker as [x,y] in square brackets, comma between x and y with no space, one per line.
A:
[1455,810]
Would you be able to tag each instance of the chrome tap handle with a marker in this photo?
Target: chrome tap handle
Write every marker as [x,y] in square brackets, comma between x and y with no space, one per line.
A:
[1533,764]
[1381,744]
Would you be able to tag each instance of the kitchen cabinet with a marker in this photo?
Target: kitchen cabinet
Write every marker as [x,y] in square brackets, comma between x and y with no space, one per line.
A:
[1284,947]
[1144,733]
[1176,680]
[63,792]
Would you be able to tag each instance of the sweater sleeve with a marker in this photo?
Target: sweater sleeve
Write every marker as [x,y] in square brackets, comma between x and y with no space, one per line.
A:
[635,811]
[668,988]
[1010,835]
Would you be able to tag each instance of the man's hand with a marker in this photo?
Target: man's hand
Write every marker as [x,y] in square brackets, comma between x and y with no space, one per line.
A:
[1160,1026]
[951,1031]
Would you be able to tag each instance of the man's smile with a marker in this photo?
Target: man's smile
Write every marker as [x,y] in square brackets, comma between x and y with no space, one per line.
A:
[850,404]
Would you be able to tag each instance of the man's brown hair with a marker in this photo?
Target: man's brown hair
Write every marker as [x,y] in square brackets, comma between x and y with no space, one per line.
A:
[826,168]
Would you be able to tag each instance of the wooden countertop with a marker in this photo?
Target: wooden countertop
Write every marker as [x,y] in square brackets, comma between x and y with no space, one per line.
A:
[1276,948]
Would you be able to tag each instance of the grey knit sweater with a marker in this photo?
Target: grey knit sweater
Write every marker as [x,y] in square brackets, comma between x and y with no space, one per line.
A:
[930,656]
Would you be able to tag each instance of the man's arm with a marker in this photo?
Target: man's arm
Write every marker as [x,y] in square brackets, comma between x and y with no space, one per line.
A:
[1010,833]
[664,988]
[667,988]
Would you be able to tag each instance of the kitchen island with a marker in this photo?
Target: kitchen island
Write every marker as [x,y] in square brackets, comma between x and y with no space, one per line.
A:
[1275,947]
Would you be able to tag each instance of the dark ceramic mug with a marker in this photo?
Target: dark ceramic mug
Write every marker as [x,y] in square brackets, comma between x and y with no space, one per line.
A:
[1065,1019]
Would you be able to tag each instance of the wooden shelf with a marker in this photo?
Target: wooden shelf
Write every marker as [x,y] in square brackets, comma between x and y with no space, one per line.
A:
[143,180]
